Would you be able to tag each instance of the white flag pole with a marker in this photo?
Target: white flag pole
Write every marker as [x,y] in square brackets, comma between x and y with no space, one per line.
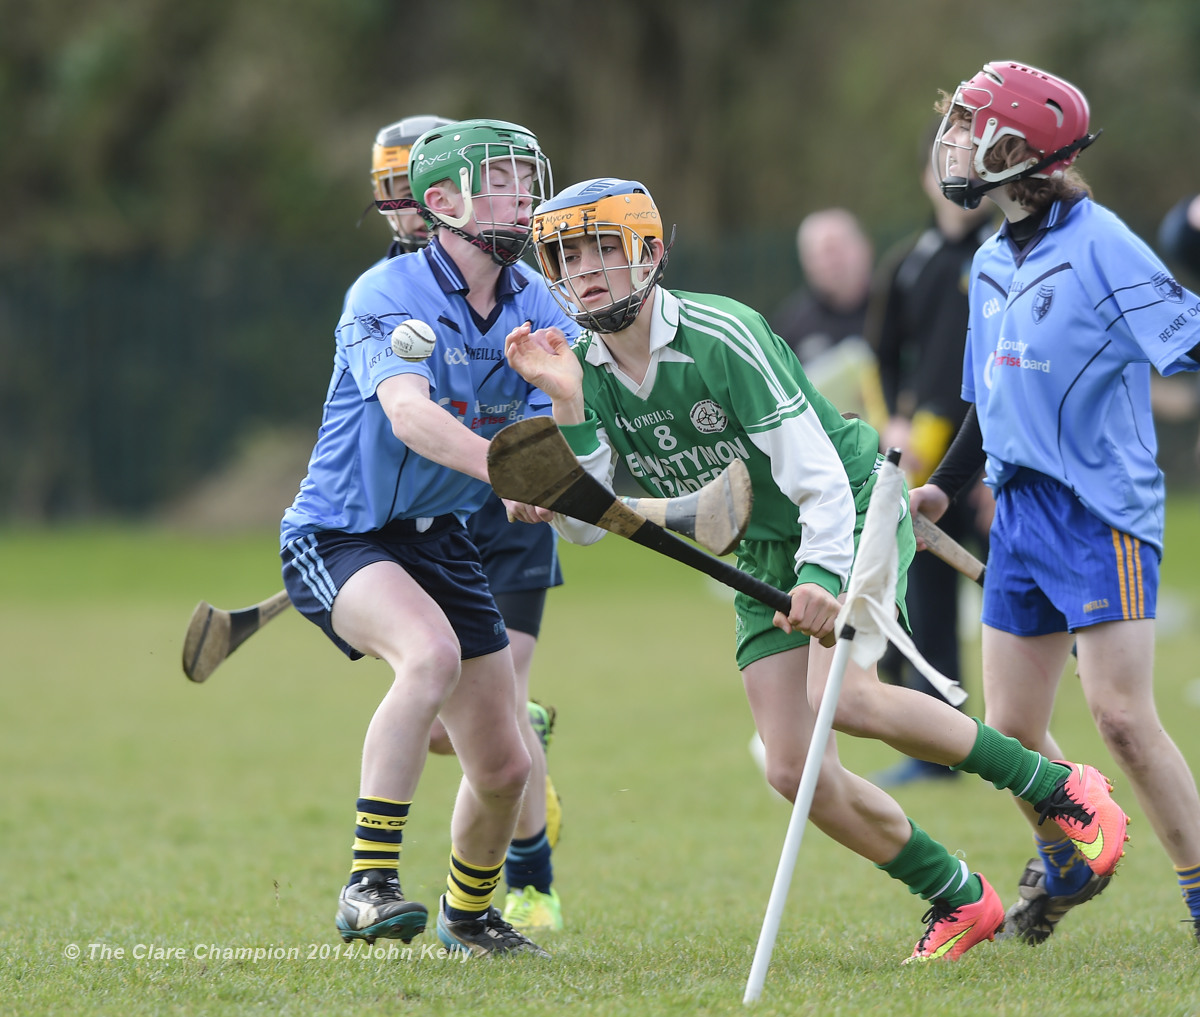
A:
[796,825]
[869,614]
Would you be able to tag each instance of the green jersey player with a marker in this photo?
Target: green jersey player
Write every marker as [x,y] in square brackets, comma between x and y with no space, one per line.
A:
[676,385]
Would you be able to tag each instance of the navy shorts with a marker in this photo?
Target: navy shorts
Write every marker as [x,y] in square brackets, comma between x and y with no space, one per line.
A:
[516,556]
[1054,566]
[520,561]
[441,558]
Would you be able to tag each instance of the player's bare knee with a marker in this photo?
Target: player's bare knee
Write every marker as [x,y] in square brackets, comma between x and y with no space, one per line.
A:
[1123,739]
[784,776]
[432,672]
[506,776]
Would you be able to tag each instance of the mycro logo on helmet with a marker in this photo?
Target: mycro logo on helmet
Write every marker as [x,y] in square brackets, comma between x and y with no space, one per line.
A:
[442,157]
[649,213]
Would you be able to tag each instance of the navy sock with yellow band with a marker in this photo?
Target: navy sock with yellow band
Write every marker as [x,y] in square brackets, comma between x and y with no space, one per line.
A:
[1189,886]
[378,833]
[469,888]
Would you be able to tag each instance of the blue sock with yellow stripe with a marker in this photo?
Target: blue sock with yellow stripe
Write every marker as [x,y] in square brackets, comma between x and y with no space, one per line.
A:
[469,888]
[1067,871]
[378,833]
[1189,886]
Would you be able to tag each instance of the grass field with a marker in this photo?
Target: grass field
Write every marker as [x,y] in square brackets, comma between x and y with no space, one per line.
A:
[151,829]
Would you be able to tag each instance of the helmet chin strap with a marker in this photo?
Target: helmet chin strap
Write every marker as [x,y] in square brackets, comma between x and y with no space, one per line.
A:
[505,247]
[968,195]
[464,188]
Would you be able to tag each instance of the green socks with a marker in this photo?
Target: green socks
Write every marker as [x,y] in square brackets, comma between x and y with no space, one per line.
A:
[928,869]
[1009,765]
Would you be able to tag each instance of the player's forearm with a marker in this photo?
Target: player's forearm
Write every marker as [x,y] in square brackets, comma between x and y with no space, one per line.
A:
[964,461]
[816,483]
[595,455]
[569,409]
[434,434]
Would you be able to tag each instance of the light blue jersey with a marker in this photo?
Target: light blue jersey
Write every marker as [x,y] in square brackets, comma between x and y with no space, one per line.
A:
[1060,343]
[360,475]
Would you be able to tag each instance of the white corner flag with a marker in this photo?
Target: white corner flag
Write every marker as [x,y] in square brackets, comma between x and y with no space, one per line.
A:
[864,625]
[870,606]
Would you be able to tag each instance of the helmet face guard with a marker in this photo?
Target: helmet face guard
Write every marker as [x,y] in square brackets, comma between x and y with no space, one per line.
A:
[501,172]
[1008,99]
[599,233]
[389,176]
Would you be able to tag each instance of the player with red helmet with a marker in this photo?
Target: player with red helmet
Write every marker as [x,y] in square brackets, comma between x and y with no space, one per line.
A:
[1069,311]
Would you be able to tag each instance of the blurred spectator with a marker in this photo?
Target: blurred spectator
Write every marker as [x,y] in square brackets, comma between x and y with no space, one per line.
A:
[917,325]
[1179,234]
[823,320]
[835,257]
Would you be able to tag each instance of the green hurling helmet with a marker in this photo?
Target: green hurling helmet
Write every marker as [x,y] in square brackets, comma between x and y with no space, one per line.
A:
[463,153]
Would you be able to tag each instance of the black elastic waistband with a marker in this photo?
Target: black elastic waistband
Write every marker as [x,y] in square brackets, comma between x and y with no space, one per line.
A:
[423,524]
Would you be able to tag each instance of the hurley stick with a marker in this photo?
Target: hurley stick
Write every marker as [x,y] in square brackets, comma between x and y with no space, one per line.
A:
[947,548]
[531,462]
[213,634]
[715,516]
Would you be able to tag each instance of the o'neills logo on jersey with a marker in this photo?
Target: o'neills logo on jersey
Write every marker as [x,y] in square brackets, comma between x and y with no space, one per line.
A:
[1041,303]
[708,418]
[1167,288]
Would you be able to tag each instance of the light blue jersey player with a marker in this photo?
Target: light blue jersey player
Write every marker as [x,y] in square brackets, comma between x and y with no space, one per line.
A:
[361,476]
[375,550]
[1069,313]
[1062,341]
[519,560]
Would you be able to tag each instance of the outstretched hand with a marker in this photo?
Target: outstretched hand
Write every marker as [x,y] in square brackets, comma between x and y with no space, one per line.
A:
[544,358]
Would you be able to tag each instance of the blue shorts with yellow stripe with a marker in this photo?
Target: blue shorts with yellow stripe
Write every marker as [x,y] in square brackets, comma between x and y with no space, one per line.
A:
[1054,566]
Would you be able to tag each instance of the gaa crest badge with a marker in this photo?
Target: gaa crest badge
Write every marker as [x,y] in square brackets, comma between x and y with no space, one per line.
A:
[1041,303]
[1167,288]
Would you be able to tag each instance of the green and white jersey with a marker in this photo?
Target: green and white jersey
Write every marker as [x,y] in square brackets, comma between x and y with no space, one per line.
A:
[722,386]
